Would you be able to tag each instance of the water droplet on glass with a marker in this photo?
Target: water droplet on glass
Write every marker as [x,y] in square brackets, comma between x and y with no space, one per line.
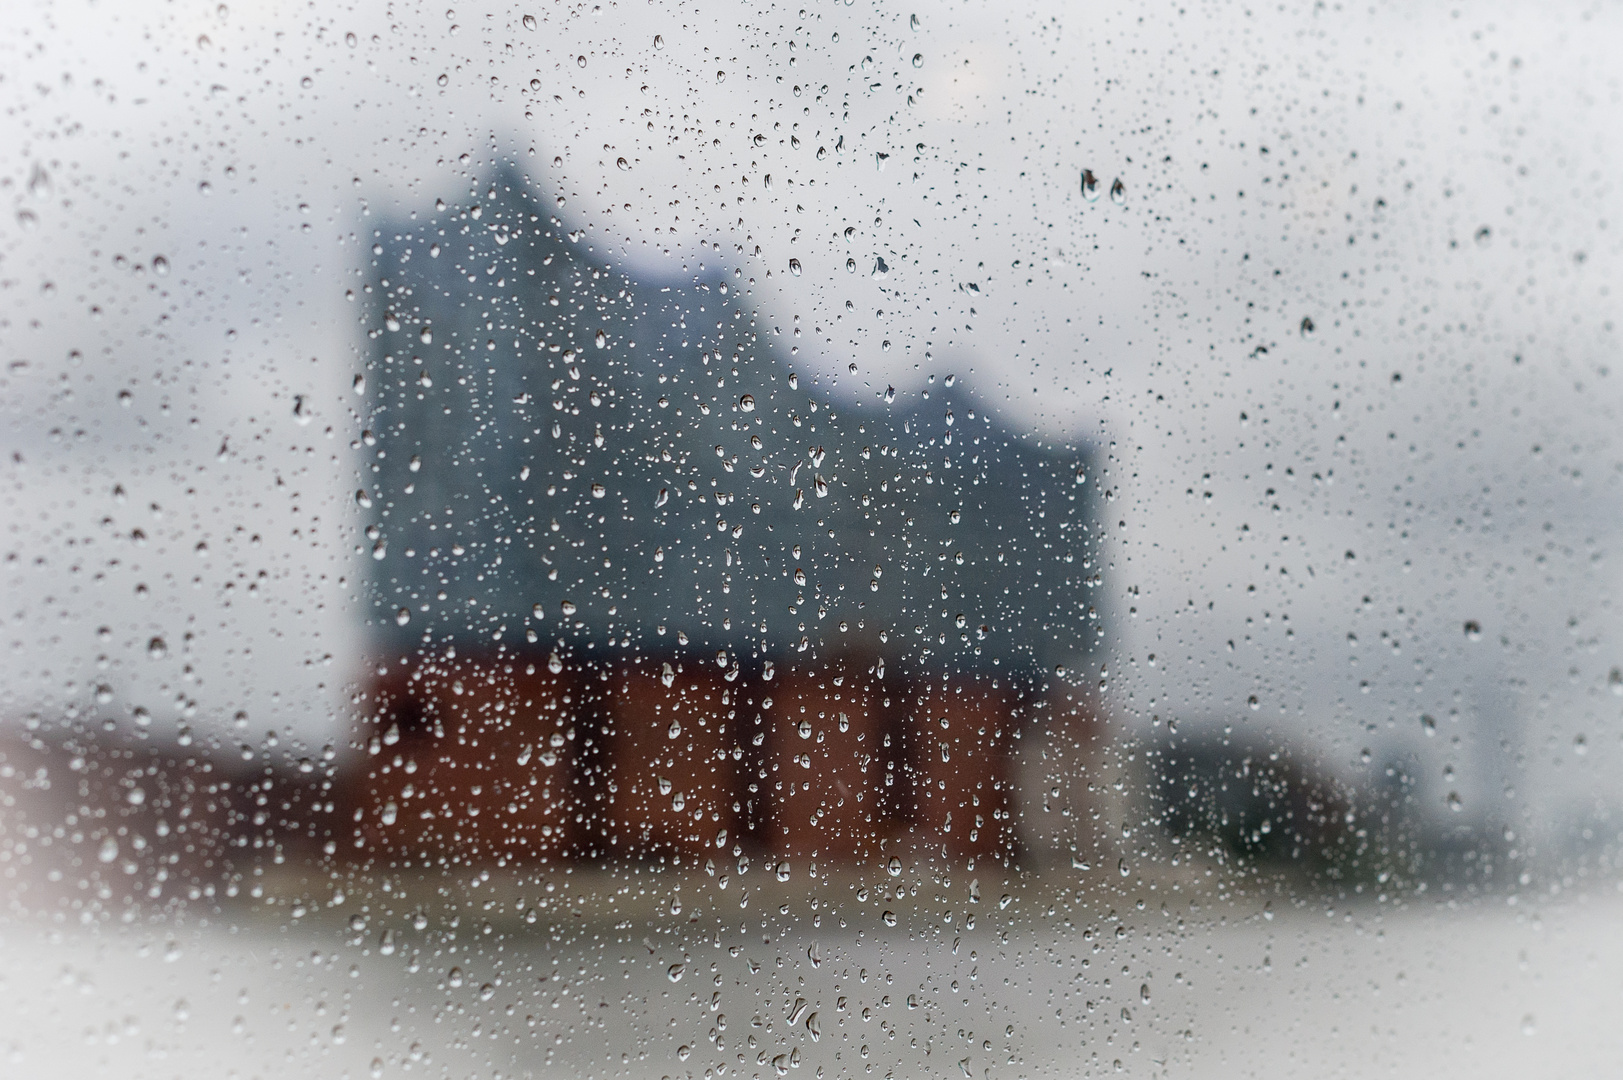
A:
[1473,632]
[894,867]
[889,918]
[555,663]
[659,41]
[1090,186]
[568,607]
[301,410]
[1484,236]
[1118,192]
[913,22]
[918,60]
[580,61]
[662,498]
[598,491]
[674,972]
[794,267]
[747,403]
[160,265]
[402,617]
[880,268]
[109,850]
[1428,724]
[529,22]
[890,394]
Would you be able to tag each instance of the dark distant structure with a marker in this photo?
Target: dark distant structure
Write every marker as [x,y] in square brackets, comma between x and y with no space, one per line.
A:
[566,448]
[576,464]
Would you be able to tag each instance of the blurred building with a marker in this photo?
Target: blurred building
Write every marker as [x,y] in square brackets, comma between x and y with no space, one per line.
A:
[611,524]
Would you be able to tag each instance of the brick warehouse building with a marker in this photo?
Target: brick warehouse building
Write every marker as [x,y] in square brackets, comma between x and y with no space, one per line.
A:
[638,588]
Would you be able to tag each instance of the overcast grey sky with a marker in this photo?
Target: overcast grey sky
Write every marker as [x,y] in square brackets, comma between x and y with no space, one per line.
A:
[1306,518]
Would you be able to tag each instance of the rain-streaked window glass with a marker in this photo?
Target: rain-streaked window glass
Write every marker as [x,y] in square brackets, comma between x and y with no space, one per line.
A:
[671,541]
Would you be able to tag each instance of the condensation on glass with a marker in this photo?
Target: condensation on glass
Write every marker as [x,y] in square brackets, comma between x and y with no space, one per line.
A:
[851,540]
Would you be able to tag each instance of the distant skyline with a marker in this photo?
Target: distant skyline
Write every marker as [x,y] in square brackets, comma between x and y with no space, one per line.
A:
[586,457]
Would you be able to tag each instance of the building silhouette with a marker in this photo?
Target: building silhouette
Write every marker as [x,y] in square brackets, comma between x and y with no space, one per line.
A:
[581,471]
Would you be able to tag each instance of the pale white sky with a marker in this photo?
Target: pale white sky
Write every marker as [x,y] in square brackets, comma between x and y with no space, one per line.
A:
[1435,191]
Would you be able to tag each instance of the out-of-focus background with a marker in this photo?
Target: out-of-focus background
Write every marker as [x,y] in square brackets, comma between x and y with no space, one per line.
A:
[1074,541]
